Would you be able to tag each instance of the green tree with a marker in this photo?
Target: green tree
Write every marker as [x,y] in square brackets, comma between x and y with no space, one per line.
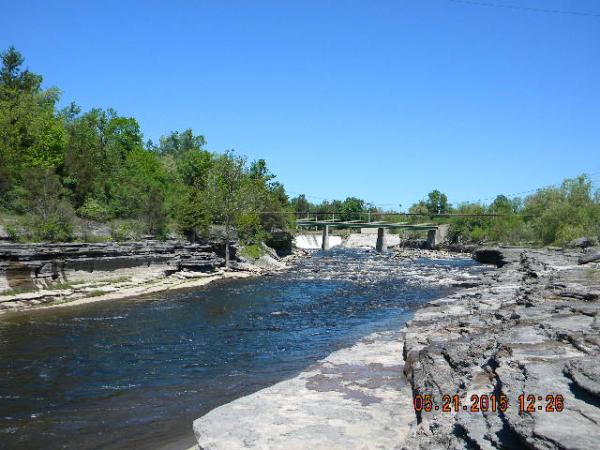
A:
[226,189]
[193,166]
[84,165]
[418,211]
[176,143]
[301,205]
[193,215]
[51,213]
[31,133]
[259,171]
[437,203]
[352,209]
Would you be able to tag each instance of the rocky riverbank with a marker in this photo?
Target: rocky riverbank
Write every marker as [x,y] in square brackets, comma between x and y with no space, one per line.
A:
[34,275]
[531,326]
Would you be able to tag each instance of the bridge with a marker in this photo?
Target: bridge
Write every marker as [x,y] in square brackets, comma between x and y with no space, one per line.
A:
[436,234]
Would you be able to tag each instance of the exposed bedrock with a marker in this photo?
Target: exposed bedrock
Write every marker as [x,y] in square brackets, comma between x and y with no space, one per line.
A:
[31,266]
[356,398]
[533,327]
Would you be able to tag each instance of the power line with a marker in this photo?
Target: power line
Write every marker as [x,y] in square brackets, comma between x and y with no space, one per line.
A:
[525,8]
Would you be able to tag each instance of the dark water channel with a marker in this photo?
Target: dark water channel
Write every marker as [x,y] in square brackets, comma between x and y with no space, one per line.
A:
[135,373]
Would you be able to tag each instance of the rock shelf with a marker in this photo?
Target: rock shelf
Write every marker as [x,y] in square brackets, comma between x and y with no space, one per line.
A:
[530,327]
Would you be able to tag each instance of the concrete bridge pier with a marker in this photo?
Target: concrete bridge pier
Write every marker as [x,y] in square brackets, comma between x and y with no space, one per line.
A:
[380,246]
[325,242]
[437,236]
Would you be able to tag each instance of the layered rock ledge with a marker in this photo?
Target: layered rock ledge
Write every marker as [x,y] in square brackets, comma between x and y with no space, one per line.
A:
[53,274]
[532,326]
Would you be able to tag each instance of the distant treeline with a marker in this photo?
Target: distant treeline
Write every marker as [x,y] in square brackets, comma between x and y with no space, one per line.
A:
[553,215]
[63,168]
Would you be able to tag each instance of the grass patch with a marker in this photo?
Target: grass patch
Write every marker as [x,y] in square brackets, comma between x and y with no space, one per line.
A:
[14,291]
[115,280]
[121,279]
[95,293]
[65,285]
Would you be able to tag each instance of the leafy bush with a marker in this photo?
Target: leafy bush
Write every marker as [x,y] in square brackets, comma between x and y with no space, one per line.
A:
[56,227]
[125,230]
[567,232]
[252,251]
[249,229]
[14,234]
[94,210]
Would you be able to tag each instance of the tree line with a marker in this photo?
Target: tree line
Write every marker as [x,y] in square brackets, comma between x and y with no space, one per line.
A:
[64,166]
[552,215]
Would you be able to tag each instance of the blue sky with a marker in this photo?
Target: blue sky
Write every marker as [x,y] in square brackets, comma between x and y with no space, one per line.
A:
[385,100]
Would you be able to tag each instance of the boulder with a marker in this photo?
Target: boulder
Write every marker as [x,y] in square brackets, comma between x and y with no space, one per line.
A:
[590,257]
[582,242]
[281,242]
[490,256]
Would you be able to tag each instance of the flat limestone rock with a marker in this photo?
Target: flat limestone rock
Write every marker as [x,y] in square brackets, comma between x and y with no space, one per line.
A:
[533,330]
[357,398]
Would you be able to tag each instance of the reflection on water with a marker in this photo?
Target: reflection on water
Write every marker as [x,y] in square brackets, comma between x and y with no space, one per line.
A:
[135,373]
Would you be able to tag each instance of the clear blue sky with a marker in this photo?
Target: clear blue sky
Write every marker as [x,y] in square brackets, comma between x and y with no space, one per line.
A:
[385,100]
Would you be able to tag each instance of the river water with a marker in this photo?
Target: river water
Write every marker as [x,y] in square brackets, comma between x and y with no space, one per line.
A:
[135,373]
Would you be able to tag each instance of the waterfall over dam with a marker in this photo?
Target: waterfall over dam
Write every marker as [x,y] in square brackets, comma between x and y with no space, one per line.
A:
[314,241]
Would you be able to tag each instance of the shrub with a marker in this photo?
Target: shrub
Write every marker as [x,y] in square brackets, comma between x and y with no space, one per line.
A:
[14,234]
[567,232]
[249,229]
[51,215]
[56,227]
[125,230]
[94,210]
[252,251]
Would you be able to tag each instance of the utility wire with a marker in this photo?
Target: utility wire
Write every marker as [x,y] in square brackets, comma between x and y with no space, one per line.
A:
[525,8]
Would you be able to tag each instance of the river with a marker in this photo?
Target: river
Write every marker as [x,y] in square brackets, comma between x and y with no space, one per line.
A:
[135,373]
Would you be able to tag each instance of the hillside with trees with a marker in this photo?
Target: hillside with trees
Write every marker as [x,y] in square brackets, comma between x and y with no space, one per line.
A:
[65,172]
[63,169]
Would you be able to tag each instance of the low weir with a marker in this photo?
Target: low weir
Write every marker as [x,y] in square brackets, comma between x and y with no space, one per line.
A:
[436,234]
